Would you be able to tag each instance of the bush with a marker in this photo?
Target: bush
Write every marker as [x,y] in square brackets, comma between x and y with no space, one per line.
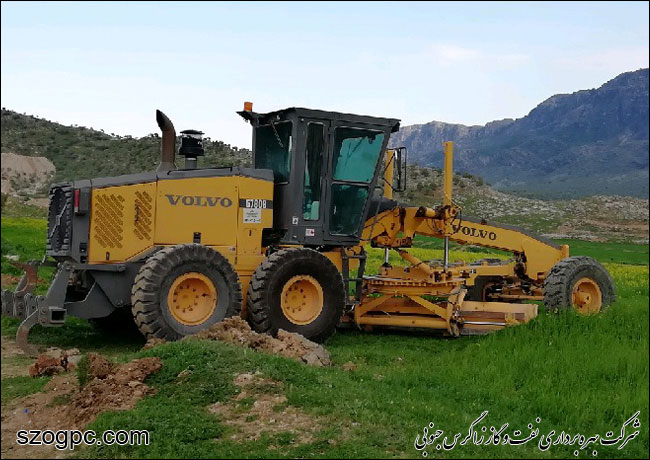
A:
[83,371]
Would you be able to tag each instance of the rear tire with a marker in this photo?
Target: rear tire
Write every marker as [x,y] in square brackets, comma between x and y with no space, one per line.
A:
[297,290]
[581,283]
[183,289]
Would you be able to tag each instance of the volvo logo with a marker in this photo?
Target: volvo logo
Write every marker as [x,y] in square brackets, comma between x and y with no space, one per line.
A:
[478,233]
[202,201]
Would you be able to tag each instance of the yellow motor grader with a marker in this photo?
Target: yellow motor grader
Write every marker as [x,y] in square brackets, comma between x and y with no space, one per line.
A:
[284,243]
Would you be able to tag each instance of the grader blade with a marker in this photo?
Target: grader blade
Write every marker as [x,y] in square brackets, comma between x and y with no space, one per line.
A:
[485,317]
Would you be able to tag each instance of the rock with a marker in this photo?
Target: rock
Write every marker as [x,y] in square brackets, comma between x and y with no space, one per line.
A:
[74,356]
[53,361]
[46,365]
[55,353]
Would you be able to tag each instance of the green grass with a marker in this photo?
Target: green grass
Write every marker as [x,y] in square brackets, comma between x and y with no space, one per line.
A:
[621,253]
[579,374]
[78,333]
[15,207]
[24,237]
[18,387]
[616,252]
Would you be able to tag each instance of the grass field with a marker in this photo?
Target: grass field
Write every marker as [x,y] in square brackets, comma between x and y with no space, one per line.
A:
[578,374]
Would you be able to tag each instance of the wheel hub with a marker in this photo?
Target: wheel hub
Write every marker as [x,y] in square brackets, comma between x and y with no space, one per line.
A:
[302,299]
[586,296]
[192,298]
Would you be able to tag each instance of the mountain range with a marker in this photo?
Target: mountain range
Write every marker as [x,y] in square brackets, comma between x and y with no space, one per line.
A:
[37,152]
[591,142]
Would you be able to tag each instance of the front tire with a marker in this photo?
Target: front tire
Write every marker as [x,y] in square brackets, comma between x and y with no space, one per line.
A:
[184,289]
[297,290]
[581,283]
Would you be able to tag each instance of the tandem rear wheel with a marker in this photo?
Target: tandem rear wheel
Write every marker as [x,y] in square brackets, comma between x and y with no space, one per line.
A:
[297,290]
[183,289]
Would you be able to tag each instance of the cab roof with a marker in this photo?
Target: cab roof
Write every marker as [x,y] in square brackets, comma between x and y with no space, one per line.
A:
[264,118]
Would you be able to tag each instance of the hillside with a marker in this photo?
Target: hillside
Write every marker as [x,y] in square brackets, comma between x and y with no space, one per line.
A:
[79,152]
[595,218]
[591,142]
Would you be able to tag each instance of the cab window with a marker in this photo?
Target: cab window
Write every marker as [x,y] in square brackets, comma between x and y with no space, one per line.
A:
[273,144]
[313,165]
[348,202]
[356,152]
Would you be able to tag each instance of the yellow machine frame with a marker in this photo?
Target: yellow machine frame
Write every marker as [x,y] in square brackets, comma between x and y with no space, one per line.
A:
[433,296]
[129,220]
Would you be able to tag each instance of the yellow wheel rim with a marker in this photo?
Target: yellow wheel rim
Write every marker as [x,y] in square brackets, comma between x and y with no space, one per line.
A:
[302,299]
[192,298]
[586,296]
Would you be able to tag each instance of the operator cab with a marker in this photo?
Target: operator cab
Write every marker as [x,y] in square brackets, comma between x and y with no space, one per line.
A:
[325,166]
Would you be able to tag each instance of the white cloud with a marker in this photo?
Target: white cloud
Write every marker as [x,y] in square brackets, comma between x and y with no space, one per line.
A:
[448,54]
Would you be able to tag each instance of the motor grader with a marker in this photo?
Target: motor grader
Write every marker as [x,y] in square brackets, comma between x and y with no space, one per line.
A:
[284,243]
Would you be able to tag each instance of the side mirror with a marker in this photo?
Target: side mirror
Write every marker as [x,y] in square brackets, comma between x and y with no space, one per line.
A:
[400,169]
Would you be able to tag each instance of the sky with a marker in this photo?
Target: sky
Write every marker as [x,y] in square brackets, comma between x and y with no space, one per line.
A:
[110,65]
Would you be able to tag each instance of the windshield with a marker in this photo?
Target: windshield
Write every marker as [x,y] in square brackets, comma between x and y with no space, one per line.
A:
[356,152]
[273,144]
[348,202]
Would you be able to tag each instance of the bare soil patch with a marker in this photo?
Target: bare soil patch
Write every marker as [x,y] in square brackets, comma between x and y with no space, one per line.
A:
[25,173]
[113,387]
[9,280]
[13,359]
[63,405]
[237,331]
[260,408]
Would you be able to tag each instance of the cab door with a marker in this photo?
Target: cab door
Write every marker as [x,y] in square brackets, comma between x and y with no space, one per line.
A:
[354,160]
[309,217]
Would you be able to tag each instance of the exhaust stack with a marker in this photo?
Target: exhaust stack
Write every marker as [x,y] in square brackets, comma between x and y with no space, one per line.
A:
[168,143]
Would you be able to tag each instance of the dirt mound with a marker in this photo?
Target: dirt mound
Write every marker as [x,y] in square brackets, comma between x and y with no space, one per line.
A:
[112,388]
[63,405]
[98,366]
[260,408]
[25,174]
[55,361]
[237,331]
